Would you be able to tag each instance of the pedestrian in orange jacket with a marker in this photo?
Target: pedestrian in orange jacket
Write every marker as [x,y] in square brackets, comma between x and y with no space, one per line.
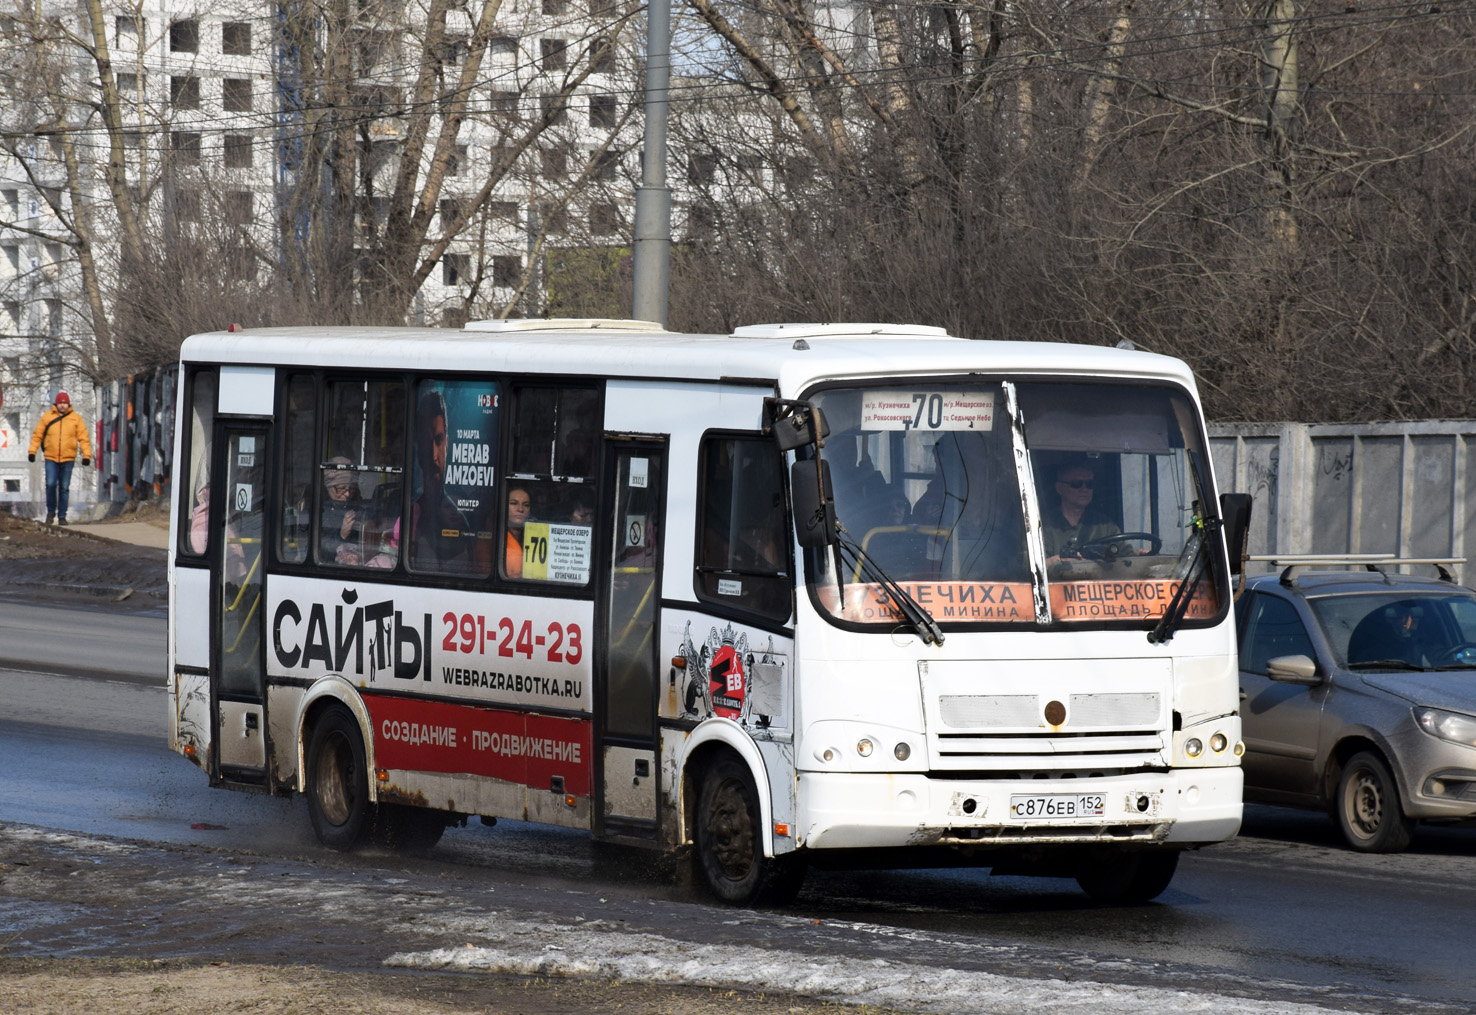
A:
[59,436]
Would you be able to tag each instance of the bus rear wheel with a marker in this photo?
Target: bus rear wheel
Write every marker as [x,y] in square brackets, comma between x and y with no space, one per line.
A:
[1126,879]
[338,780]
[730,844]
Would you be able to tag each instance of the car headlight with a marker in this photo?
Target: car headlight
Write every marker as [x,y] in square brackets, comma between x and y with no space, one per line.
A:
[1457,727]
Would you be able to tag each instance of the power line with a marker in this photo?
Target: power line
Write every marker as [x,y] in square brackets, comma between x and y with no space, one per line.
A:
[693,92]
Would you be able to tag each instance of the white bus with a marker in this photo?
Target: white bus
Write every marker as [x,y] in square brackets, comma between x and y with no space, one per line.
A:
[799,594]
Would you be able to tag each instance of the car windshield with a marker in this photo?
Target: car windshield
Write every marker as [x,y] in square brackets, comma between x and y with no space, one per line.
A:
[927,479]
[1399,630]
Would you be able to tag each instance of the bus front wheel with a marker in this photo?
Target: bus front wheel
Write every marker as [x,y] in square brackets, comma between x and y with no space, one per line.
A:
[730,845]
[338,780]
[1125,879]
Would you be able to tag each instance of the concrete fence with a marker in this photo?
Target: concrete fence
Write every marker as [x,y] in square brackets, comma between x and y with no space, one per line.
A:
[1407,488]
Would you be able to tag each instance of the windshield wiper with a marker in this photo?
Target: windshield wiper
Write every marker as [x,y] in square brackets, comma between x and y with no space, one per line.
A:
[1389,664]
[921,620]
[1187,571]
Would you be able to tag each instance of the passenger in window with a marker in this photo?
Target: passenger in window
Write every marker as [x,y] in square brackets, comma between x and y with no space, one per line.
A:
[519,508]
[897,510]
[1071,521]
[200,521]
[961,473]
[343,515]
[437,524]
[389,549]
[1389,633]
[581,513]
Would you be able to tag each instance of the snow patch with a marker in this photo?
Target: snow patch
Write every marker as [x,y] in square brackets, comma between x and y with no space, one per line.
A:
[600,951]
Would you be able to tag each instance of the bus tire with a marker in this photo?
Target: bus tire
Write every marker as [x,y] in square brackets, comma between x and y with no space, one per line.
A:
[338,780]
[408,829]
[1127,879]
[730,845]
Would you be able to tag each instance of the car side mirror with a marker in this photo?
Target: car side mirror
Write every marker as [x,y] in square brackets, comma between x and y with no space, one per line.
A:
[1235,511]
[1294,669]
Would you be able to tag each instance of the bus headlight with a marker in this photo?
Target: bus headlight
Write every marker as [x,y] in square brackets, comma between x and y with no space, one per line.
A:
[863,747]
[1218,743]
[902,752]
[1193,747]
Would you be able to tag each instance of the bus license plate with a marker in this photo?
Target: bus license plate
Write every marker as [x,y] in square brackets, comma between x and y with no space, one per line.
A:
[1085,805]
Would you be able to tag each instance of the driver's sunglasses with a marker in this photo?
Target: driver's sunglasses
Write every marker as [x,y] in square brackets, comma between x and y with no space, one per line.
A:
[1077,484]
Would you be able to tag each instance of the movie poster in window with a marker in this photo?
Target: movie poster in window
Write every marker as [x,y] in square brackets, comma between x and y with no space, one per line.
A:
[455,508]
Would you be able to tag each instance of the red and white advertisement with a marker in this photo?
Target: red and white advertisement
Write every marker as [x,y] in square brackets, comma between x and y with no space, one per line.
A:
[435,736]
[528,651]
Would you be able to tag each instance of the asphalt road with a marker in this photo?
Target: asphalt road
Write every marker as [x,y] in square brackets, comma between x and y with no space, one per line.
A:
[1281,917]
[84,642]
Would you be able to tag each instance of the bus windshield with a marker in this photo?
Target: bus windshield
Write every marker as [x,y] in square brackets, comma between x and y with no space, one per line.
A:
[930,480]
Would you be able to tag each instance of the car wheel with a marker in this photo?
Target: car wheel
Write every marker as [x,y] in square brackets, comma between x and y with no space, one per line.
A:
[1368,809]
[337,780]
[1127,879]
[730,845]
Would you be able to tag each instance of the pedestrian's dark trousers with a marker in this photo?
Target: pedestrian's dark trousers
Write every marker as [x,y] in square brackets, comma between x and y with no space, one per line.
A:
[58,480]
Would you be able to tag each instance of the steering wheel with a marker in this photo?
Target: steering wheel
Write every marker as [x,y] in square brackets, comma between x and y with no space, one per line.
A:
[1109,548]
[1462,654]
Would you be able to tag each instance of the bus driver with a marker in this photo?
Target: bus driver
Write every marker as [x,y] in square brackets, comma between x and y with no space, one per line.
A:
[1072,522]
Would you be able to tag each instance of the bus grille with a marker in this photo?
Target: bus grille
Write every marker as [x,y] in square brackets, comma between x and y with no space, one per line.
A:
[1102,732]
[1016,711]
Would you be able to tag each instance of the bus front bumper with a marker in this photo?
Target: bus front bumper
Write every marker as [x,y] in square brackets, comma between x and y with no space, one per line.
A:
[1185,806]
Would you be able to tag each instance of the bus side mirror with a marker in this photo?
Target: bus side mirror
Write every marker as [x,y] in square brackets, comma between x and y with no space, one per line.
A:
[814,506]
[795,424]
[1235,512]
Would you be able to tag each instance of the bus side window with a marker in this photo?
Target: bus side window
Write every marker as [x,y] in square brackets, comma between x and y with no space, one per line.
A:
[548,495]
[362,460]
[298,469]
[195,532]
[743,556]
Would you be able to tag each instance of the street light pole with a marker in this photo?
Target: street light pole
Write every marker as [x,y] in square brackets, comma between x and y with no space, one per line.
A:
[652,269]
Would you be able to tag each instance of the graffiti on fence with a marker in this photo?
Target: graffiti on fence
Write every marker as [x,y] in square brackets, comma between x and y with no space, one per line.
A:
[135,435]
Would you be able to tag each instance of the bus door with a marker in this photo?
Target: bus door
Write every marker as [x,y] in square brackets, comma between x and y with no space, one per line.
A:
[627,683]
[237,629]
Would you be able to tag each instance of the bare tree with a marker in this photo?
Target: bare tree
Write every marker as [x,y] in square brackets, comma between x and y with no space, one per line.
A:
[1277,192]
[390,140]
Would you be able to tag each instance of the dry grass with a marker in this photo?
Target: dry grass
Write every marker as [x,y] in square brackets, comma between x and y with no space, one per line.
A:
[87,987]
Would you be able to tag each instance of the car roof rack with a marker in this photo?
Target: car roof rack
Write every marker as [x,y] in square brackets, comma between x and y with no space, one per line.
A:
[1376,562]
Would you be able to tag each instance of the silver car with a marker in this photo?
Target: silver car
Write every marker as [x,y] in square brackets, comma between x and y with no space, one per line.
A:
[1358,695]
